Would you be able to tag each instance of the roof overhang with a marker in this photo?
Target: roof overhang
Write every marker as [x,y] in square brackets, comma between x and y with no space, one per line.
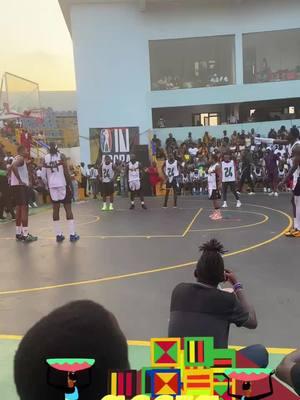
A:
[66,5]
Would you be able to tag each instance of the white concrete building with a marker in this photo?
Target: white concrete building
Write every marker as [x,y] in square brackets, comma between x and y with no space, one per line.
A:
[190,62]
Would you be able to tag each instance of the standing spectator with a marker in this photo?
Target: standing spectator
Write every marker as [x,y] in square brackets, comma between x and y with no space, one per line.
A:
[205,309]
[206,138]
[156,146]
[161,123]
[84,178]
[246,172]
[26,141]
[271,160]
[93,180]
[154,177]
[171,143]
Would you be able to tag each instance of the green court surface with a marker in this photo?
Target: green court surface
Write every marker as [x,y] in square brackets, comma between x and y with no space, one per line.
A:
[139,355]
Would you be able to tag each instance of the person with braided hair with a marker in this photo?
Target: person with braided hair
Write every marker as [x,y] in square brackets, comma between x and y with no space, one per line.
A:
[204,309]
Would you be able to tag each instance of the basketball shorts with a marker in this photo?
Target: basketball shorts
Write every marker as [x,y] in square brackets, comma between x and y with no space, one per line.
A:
[214,194]
[296,189]
[61,194]
[107,189]
[173,184]
[20,194]
[134,186]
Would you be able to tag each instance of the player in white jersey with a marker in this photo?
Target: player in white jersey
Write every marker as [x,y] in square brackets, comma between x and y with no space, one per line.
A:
[57,179]
[107,174]
[295,173]
[215,186]
[229,178]
[19,182]
[293,142]
[134,171]
[171,171]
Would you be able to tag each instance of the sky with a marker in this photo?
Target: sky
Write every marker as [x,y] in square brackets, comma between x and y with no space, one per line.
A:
[35,43]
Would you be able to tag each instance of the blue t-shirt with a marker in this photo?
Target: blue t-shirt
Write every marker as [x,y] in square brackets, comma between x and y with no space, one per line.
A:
[72,396]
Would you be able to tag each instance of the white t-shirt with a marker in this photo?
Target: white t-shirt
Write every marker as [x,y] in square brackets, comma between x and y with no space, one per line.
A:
[212,177]
[193,151]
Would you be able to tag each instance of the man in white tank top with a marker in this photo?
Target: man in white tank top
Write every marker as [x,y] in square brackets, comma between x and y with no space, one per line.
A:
[171,171]
[294,173]
[57,179]
[292,141]
[229,178]
[106,174]
[19,182]
[134,171]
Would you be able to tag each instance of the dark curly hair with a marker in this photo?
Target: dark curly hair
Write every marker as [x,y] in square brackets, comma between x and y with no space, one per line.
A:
[80,329]
[210,267]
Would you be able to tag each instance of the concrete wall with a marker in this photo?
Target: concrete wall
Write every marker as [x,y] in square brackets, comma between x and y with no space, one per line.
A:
[262,128]
[112,56]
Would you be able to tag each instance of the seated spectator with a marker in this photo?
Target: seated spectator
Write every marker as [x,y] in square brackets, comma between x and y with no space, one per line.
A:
[204,309]
[288,370]
[193,150]
[81,329]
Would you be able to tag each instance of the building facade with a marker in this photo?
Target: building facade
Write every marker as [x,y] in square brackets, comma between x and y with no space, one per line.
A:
[191,64]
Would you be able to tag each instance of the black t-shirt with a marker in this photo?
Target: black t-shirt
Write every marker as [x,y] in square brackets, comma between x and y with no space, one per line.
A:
[198,310]
[295,376]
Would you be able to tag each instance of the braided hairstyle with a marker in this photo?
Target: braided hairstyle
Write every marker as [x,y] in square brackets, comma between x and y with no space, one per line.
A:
[210,267]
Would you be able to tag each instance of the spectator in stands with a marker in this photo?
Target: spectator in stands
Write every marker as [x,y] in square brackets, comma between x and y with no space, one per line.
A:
[81,329]
[205,309]
[288,370]
[161,122]
[2,152]
[193,150]
[156,146]
[171,143]
[206,138]
[189,141]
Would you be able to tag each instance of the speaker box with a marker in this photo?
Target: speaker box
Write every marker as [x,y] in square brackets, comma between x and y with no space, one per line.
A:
[141,152]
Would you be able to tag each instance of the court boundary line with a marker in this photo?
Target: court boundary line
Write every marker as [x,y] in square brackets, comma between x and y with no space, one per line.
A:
[153,270]
[146,343]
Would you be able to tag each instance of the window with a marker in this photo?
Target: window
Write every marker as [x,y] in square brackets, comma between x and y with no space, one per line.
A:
[271,56]
[192,63]
[206,119]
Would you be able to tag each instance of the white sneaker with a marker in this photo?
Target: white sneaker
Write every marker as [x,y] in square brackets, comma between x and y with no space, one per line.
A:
[276,194]
[269,190]
[265,190]
[238,204]
[271,194]
[224,205]
[35,205]
[251,193]
[238,192]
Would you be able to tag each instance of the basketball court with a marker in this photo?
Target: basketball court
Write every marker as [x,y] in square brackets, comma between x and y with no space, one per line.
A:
[130,261]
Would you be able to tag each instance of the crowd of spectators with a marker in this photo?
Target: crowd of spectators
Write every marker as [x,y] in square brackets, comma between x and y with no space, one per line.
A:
[194,155]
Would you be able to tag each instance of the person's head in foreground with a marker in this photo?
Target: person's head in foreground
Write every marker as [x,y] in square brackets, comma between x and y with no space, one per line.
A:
[289,370]
[80,329]
[210,267]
